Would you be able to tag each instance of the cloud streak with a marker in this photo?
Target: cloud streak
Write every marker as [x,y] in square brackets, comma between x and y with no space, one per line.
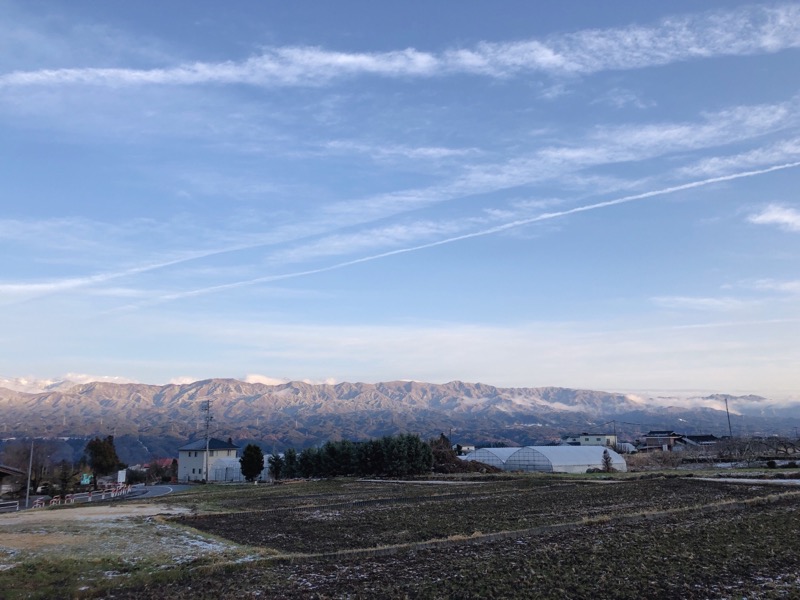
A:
[612,145]
[741,32]
[700,304]
[485,232]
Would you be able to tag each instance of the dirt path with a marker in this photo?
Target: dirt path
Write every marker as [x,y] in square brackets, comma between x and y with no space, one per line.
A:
[97,512]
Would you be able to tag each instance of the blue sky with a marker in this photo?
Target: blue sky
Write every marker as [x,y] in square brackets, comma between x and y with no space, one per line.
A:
[580,194]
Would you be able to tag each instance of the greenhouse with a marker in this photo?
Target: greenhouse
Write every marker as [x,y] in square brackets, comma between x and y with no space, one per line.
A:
[548,459]
[495,457]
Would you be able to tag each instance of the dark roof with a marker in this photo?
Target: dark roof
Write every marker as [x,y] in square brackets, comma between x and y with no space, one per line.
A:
[662,433]
[702,438]
[6,470]
[213,444]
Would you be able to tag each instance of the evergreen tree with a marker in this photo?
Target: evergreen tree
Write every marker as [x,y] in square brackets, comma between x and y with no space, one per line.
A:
[276,464]
[291,467]
[306,462]
[102,456]
[252,462]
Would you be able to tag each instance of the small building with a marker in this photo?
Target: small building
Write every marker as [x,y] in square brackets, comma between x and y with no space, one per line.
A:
[609,440]
[661,440]
[548,459]
[704,441]
[192,460]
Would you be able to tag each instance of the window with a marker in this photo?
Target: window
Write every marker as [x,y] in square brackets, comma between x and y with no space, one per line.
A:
[211,453]
[596,439]
[192,471]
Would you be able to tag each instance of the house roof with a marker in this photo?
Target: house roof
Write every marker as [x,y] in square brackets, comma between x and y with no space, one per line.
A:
[213,444]
[702,438]
[7,470]
[161,462]
[662,433]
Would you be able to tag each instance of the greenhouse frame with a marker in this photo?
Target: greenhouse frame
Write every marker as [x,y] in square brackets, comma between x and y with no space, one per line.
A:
[548,459]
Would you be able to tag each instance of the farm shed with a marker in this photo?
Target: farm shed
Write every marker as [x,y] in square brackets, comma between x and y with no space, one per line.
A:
[548,459]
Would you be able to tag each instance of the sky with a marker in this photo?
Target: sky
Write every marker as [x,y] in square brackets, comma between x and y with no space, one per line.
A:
[577,194]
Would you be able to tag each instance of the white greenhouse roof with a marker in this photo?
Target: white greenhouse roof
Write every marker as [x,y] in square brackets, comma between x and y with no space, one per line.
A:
[575,455]
[501,454]
[564,459]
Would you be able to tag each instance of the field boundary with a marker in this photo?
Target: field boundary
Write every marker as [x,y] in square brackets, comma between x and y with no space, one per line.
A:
[346,504]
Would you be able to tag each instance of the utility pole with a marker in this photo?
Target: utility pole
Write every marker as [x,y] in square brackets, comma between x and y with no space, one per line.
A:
[30,467]
[208,419]
[730,429]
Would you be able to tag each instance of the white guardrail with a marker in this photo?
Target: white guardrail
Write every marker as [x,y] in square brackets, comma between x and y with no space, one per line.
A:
[94,496]
[10,506]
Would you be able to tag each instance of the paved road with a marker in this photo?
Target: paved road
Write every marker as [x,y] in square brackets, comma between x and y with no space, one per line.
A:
[154,491]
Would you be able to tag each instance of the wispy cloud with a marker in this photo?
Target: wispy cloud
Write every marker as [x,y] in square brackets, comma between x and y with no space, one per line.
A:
[604,145]
[699,303]
[367,239]
[788,287]
[621,143]
[784,217]
[765,155]
[391,150]
[485,232]
[743,31]
[726,126]
[34,289]
[622,98]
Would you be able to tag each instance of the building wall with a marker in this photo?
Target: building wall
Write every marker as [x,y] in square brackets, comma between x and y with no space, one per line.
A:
[598,440]
[192,462]
[663,442]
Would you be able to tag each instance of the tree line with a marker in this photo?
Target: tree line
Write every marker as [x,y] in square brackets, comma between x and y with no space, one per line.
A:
[401,455]
[53,473]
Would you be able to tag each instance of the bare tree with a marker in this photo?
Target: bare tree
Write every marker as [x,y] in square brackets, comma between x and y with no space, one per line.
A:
[17,454]
[740,450]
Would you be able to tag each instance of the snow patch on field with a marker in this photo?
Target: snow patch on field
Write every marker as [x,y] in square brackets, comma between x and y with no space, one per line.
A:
[130,533]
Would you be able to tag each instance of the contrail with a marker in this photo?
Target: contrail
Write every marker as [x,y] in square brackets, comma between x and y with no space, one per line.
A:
[475,234]
[49,287]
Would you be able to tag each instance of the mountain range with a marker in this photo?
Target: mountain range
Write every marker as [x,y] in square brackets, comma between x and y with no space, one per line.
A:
[153,420]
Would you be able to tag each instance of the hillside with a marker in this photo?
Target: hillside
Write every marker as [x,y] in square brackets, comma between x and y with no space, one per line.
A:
[155,418]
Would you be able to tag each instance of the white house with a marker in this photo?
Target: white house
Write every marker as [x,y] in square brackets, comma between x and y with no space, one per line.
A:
[598,439]
[192,460]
